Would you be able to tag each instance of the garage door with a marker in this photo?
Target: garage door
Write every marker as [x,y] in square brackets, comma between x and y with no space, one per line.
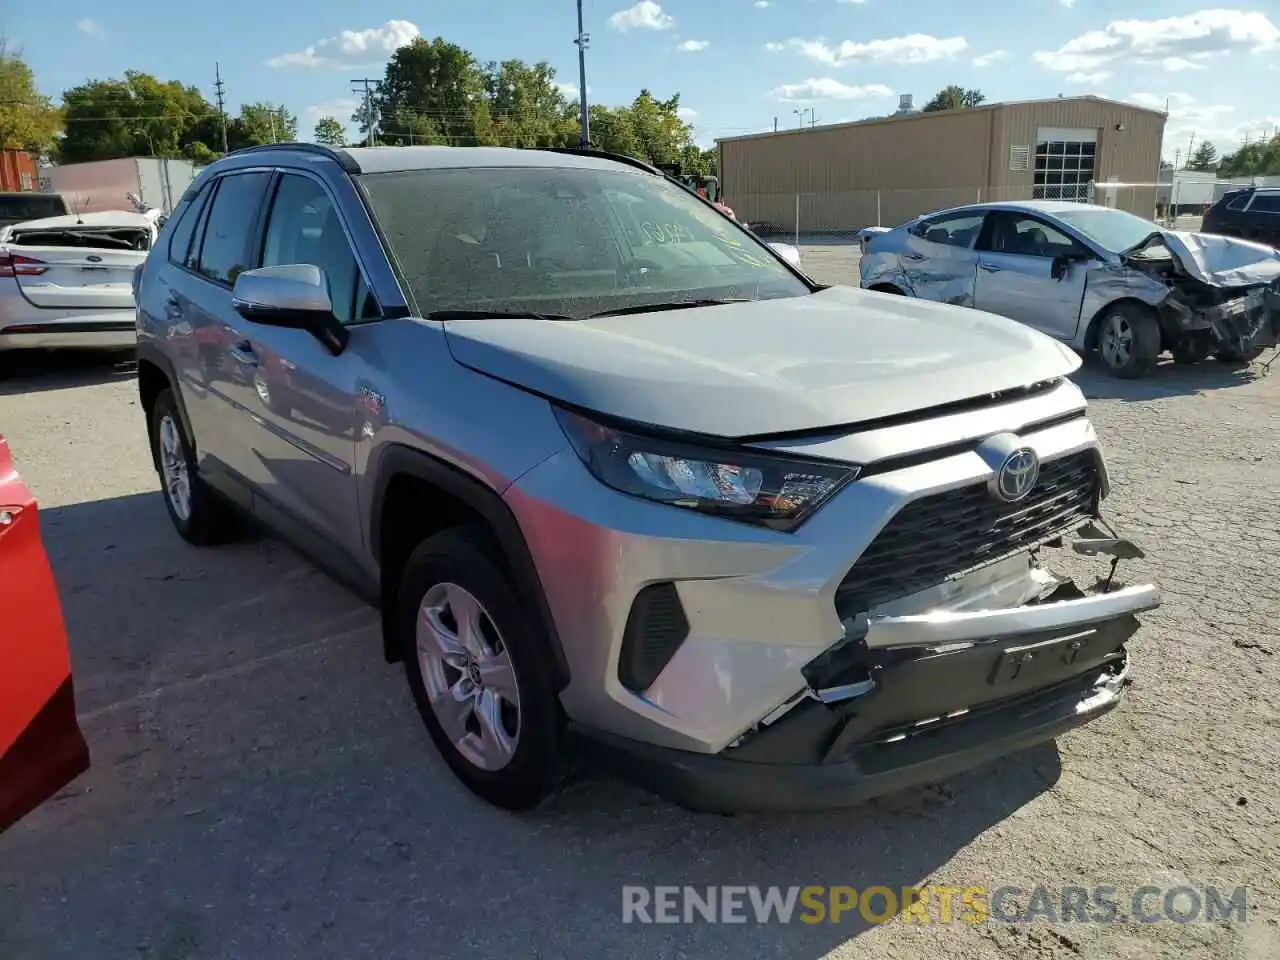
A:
[1065,160]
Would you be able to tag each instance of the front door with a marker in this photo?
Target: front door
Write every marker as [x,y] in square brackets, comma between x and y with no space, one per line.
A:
[305,409]
[1015,277]
[41,746]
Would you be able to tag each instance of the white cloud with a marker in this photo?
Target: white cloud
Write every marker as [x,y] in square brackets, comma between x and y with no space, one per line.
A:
[760,4]
[90,28]
[351,48]
[1068,3]
[686,113]
[1088,79]
[570,90]
[851,1]
[827,89]
[693,46]
[987,59]
[774,47]
[1174,43]
[1214,122]
[913,48]
[645,15]
[340,109]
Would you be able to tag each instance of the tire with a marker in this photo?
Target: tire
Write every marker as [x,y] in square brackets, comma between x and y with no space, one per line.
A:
[1237,357]
[1192,349]
[1135,332]
[198,514]
[452,570]
[887,288]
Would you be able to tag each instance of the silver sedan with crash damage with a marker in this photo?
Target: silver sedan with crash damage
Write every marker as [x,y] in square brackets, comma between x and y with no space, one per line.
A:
[1094,277]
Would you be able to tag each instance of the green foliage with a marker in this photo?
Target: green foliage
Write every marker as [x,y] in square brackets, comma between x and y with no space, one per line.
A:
[261,123]
[436,92]
[136,115]
[28,120]
[1204,157]
[954,97]
[1260,159]
[330,132]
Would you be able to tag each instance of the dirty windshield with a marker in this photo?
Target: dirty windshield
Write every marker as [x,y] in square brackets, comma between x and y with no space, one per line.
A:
[565,241]
[1114,230]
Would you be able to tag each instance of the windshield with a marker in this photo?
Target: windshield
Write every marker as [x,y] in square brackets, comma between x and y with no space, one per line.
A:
[1113,230]
[564,241]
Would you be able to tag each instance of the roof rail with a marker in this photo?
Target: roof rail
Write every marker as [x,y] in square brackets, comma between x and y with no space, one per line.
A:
[341,156]
[606,155]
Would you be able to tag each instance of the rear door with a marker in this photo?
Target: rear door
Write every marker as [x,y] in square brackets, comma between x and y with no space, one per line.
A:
[41,746]
[938,260]
[54,273]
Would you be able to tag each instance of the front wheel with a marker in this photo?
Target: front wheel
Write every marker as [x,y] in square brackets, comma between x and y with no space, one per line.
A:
[1129,341]
[197,513]
[482,689]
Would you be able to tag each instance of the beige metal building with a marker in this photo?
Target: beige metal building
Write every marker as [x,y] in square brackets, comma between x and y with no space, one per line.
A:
[847,176]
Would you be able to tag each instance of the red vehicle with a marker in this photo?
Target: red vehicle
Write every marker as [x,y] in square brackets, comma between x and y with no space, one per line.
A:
[41,746]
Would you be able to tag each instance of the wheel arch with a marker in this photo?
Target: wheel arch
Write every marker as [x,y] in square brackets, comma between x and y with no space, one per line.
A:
[156,373]
[402,476]
[1091,333]
[892,288]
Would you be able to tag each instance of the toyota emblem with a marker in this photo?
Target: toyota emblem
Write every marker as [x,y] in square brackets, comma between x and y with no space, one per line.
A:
[1017,476]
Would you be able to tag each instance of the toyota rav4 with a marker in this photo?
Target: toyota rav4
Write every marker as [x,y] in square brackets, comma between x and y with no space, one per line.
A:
[625,483]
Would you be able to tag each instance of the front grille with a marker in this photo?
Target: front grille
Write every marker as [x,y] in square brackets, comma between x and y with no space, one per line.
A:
[947,534]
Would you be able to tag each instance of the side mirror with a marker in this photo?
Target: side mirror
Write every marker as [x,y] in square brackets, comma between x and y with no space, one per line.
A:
[292,295]
[788,252]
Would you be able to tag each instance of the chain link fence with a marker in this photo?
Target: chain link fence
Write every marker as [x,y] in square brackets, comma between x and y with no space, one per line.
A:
[845,212]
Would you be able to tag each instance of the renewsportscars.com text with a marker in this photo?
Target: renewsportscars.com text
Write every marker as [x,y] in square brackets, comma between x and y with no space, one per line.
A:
[933,904]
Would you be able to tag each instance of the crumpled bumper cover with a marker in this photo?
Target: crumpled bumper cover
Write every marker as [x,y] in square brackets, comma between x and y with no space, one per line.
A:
[923,698]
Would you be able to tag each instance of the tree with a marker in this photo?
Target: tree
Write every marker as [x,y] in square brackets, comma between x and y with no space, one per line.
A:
[135,116]
[329,131]
[28,119]
[261,123]
[430,91]
[1204,157]
[1258,159]
[954,97]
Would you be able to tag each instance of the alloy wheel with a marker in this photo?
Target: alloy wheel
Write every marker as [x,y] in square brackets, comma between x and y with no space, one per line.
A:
[173,468]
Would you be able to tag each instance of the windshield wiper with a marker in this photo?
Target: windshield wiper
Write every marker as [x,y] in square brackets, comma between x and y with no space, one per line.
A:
[670,305]
[495,315]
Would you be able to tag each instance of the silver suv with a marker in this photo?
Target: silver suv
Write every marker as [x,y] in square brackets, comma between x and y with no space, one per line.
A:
[625,483]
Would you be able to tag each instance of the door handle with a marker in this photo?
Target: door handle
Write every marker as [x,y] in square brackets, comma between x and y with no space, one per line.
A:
[172,305]
[242,353]
[989,267]
[913,256]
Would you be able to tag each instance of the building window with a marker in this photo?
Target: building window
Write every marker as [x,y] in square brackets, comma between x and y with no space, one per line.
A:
[1064,169]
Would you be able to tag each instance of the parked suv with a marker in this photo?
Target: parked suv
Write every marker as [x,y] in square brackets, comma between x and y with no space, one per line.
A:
[1252,214]
[624,482]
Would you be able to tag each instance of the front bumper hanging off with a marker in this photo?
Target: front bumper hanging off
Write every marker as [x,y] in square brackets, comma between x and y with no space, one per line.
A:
[905,700]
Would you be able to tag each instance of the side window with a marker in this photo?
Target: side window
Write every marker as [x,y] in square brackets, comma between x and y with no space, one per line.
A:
[230,226]
[1265,203]
[304,227]
[1238,201]
[185,228]
[1027,236]
[953,230]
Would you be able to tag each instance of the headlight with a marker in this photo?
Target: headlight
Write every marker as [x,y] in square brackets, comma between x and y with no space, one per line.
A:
[773,491]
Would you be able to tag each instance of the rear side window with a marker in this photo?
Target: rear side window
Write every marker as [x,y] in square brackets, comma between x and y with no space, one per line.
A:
[231,225]
[1265,203]
[185,228]
[17,207]
[953,229]
[1237,201]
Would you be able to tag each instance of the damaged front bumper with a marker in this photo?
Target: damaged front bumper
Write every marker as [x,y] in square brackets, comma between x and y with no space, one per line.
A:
[905,699]
[1246,323]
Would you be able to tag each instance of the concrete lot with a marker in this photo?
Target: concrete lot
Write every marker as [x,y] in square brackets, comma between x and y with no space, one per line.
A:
[262,787]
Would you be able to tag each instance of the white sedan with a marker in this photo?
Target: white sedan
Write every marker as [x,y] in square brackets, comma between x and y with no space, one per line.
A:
[68,281]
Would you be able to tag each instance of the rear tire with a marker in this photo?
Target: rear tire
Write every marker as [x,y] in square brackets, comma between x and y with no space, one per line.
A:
[1128,340]
[198,514]
[476,673]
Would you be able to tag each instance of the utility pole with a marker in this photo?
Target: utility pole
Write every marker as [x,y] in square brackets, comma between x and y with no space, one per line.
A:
[367,83]
[1191,143]
[222,107]
[582,40]
[775,124]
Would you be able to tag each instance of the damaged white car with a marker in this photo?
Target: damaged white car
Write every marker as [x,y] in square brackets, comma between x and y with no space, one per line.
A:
[68,281]
[1094,277]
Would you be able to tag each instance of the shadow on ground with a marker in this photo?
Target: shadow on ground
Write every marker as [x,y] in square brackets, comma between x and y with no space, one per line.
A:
[262,786]
[31,371]
[1168,379]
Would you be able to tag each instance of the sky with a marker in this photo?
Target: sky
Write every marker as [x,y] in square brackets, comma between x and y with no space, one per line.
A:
[738,65]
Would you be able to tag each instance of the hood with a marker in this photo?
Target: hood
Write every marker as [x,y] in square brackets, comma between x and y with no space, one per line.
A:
[836,357]
[1215,260]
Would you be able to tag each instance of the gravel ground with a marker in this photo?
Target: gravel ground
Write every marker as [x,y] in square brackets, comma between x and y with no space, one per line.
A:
[262,787]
